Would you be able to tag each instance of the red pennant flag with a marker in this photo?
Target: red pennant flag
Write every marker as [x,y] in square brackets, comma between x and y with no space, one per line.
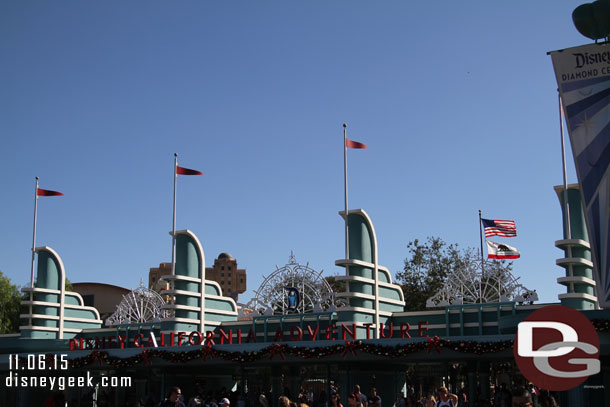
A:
[185,171]
[354,144]
[46,192]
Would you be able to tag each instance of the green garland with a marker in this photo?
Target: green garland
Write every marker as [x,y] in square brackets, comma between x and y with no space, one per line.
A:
[280,351]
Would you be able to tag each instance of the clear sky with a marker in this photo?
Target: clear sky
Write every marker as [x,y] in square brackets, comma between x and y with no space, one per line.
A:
[457,102]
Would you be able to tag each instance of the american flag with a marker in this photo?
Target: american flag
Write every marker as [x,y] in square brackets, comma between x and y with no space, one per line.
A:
[505,228]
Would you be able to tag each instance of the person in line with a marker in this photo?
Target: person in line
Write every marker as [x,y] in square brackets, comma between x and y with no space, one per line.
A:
[335,400]
[521,398]
[546,399]
[429,400]
[173,400]
[361,397]
[197,399]
[374,400]
[262,401]
[283,401]
[400,400]
[502,396]
[446,399]
[463,395]
[353,400]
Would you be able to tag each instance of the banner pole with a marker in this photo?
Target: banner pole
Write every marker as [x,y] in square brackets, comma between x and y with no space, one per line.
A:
[345,190]
[566,204]
[174,218]
[482,259]
[34,234]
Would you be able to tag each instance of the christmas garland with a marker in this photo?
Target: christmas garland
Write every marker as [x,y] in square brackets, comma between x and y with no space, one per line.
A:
[280,351]
[601,325]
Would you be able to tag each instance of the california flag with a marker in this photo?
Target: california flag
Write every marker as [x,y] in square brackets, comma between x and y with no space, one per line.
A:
[501,251]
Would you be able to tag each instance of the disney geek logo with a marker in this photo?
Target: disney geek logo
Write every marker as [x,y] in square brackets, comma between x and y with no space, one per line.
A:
[557,348]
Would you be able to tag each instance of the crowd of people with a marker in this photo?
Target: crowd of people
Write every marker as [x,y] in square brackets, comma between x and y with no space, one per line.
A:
[501,396]
[199,398]
[442,397]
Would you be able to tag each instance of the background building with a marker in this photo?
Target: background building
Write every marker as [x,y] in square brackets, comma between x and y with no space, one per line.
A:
[104,297]
[224,271]
[155,274]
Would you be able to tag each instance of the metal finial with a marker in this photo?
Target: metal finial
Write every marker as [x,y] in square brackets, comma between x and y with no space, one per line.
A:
[175,154]
[344,125]
[291,259]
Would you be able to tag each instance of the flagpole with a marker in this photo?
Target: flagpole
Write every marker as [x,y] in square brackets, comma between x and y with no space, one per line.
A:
[174,218]
[34,234]
[345,190]
[482,260]
[566,205]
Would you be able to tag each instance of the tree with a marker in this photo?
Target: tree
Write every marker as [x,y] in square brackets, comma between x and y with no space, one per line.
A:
[430,264]
[338,286]
[10,306]
[426,269]
[68,285]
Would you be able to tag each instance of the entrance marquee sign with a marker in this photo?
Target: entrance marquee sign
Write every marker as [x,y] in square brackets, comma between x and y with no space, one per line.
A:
[317,332]
[278,351]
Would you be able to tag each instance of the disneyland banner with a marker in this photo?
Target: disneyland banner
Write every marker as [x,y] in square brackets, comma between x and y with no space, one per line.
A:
[583,77]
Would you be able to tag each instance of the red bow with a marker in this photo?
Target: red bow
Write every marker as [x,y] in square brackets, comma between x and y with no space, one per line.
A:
[205,352]
[146,357]
[97,356]
[349,347]
[276,350]
[434,343]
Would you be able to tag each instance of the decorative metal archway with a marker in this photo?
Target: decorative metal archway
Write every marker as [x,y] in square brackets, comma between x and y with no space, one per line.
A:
[469,285]
[138,306]
[276,295]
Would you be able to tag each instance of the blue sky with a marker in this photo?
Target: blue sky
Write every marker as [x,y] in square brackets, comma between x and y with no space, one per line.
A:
[457,102]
